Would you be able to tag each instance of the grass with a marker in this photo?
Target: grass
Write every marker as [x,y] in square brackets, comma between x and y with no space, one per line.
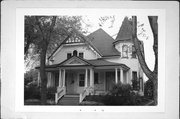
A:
[117,100]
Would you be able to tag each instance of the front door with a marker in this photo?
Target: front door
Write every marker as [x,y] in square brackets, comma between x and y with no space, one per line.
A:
[70,83]
[110,80]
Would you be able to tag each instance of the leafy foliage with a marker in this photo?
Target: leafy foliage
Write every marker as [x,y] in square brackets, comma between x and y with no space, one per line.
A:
[121,89]
[31,91]
[30,76]
[135,84]
[148,89]
[33,37]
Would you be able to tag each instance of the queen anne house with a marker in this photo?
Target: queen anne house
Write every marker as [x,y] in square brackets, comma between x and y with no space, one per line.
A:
[92,64]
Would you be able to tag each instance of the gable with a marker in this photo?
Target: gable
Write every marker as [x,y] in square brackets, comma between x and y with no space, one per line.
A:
[73,39]
[61,55]
[74,61]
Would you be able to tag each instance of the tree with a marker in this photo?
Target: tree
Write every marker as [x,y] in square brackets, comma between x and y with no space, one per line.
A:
[45,26]
[152,75]
[42,35]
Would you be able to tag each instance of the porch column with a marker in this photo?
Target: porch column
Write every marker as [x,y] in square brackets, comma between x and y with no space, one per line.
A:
[49,80]
[130,76]
[91,78]
[127,77]
[64,74]
[91,81]
[39,78]
[116,76]
[121,73]
[86,77]
[60,78]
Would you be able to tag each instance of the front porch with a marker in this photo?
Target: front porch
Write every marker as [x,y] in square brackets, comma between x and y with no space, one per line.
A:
[85,78]
[85,81]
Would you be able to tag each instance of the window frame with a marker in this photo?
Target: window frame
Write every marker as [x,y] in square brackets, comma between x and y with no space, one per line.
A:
[96,82]
[124,51]
[82,54]
[67,55]
[81,80]
[133,53]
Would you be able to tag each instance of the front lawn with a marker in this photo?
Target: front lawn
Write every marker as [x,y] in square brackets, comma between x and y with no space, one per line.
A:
[117,100]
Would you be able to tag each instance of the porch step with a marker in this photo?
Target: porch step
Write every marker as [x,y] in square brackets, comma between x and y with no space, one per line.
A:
[69,100]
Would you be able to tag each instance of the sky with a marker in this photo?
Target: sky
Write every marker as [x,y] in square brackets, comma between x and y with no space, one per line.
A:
[112,30]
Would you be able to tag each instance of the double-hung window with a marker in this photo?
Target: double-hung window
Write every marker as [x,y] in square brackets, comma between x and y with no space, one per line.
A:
[81,80]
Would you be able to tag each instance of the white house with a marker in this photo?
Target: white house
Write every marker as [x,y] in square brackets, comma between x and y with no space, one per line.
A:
[92,64]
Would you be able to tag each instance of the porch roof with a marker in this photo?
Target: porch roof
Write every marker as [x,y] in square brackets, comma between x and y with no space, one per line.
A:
[85,63]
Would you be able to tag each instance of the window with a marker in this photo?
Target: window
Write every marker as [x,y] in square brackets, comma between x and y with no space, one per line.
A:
[69,55]
[96,78]
[75,53]
[81,80]
[135,82]
[133,52]
[125,51]
[81,55]
[134,75]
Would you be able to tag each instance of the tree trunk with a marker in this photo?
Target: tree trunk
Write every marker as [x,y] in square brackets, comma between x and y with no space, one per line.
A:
[46,39]
[154,27]
[152,75]
[43,73]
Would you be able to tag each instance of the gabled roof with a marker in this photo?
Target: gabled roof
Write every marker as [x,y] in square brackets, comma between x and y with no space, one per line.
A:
[84,62]
[125,32]
[103,42]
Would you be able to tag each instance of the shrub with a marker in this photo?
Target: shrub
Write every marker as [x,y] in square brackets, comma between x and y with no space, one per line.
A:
[148,89]
[122,94]
[121,89]
[30,76]
[51,93]
[31,92]
[135,84]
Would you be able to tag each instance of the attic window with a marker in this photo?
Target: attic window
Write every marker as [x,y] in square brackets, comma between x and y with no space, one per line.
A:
[75,53]
[74,40]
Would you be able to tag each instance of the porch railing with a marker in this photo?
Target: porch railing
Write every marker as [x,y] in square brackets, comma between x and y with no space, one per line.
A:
[61,91]
[83,94]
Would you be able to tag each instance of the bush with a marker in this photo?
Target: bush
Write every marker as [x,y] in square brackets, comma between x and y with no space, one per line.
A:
[121,89]
[30,76]
[122,94]
[31,92]
[148,89]
[51,93]
[135,84]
